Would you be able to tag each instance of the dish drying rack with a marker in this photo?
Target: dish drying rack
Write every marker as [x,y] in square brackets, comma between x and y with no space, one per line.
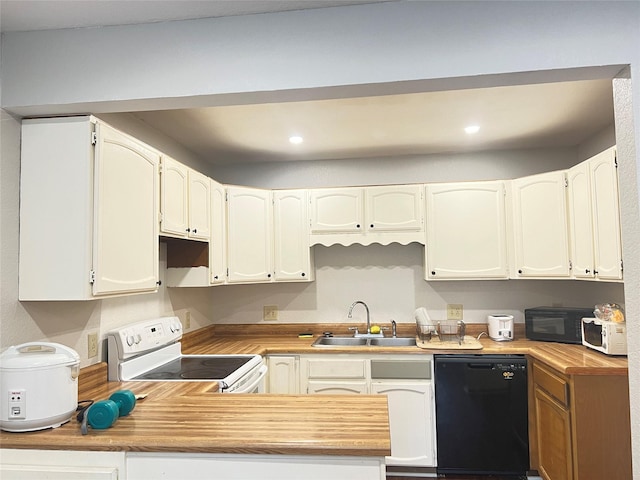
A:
[449,331]
[444,335]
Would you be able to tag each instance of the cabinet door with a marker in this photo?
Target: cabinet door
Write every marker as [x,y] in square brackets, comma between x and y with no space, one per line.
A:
[199,206]
[218,238]
[553,424]
[174,197]
[466,231]
[249,235]
[337,387]
[540,226]
[292,253]
[283,374]
[126,214]
[394,208]
[606,215]
[410,421]
[337,210]
[580,221]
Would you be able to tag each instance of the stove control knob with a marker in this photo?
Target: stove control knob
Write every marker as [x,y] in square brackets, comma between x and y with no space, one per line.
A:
[175,327]
[138,338]
[130,340]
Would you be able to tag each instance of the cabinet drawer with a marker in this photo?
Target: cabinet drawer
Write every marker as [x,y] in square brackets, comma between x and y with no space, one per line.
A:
[337,369]
[553,384]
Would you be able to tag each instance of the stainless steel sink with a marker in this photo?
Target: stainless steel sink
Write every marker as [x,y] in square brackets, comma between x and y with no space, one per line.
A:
[340,342]
[393,342]
[363,342]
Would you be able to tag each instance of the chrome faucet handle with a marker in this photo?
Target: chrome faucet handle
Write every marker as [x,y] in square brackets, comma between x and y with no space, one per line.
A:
[394,328]
[354,330]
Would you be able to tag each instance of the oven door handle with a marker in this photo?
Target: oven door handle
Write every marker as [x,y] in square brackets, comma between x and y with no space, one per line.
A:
[249,388]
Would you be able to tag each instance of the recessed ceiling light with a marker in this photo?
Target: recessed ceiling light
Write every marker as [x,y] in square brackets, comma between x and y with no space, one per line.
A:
[296,139]
[472,129]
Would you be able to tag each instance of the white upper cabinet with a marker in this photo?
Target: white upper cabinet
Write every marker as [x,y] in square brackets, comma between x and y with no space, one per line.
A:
[394,208]
[540,230]
[218,239]
[337,210]
[185,201]
[580,221]
[292,253]
[89,209]
[466,231]
[365,215]
[249,245]
[594,217]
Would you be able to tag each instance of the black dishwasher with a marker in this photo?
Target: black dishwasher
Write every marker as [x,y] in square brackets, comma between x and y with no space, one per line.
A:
[481,414]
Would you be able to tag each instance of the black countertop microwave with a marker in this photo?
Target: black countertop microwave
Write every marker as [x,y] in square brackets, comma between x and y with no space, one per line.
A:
[555,324]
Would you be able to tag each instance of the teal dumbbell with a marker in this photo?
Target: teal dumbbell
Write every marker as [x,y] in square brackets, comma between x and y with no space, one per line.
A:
[103,414]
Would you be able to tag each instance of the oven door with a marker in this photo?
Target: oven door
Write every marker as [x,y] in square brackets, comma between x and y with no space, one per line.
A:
[253,382]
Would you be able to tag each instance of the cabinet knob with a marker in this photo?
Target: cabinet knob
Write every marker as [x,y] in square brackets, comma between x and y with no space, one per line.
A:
[215,277]
[188,229]
[371,225]
[519,271]
[159,282]
[595,272]
[433,272]
[195,230]
[587,271]
[268,275]
[303,274]
[358,226]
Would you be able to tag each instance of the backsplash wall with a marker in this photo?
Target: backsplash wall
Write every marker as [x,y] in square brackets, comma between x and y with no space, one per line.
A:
[390,280]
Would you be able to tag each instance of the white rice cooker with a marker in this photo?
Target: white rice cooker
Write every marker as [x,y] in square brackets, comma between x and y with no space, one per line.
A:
[39,383]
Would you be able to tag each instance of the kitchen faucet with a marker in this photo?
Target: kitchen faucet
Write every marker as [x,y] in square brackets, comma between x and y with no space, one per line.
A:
[368,317]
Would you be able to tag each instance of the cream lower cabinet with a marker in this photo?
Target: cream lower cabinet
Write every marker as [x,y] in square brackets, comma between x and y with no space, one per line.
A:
[466,231]
[284,376]
[540,230]
[88,211]
[406,380]
[61,465]
[173,466]
[335,375]
[411,421]
[594,218]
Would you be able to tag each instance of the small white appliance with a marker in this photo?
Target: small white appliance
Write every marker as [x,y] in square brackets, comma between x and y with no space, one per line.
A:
[500,327]
[604,336]
[150,350]
[39,383]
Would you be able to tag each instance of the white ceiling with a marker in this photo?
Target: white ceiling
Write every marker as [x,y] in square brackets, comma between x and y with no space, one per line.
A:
[525,116]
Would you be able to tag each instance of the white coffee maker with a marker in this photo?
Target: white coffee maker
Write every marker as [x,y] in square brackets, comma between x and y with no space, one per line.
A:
[500,327]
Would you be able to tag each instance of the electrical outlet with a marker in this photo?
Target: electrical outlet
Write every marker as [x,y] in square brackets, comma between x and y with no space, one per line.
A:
[270,313]
[92,345]
[454,311]
[187,320]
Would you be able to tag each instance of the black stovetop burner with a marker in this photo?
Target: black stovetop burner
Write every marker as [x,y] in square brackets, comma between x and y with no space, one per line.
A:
[196,368]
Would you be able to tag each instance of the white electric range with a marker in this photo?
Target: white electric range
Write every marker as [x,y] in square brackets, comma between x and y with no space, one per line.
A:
[150,350]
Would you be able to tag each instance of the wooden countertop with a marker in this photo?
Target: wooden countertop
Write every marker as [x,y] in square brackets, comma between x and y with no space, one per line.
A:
[283,339]
[189,417]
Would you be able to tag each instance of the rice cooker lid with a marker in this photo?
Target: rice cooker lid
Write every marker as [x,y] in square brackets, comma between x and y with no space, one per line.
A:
[37,355]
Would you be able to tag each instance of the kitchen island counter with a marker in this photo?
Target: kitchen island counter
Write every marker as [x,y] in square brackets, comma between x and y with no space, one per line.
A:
[188,417]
